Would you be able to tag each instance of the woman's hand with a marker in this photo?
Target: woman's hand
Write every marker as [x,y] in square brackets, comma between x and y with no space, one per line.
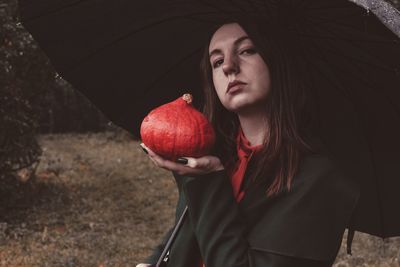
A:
[194,166]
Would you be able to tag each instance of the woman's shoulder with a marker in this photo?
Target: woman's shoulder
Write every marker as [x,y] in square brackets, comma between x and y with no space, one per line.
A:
[308,220]
[321,170]
[316,165]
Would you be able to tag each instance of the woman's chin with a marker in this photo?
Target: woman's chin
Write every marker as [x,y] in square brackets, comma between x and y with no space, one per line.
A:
[246,107]
[239,107]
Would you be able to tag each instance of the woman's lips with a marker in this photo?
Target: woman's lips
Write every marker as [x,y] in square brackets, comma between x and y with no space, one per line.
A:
[234,84]
[235,88]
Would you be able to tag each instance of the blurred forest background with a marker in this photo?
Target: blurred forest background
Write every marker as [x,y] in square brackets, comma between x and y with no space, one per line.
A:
[74,188]
[34,99]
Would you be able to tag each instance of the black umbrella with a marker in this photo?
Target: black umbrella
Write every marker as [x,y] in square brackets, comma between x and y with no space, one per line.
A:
[129,56]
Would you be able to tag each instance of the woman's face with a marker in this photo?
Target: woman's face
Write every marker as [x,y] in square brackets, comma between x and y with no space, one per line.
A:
[233,58]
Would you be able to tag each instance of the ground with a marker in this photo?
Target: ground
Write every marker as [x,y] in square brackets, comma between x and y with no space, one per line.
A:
[94,202]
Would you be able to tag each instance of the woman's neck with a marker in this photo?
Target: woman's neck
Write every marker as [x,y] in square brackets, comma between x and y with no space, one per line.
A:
[254,127]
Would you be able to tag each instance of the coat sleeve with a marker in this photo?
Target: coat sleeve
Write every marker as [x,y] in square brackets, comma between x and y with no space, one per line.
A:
[228,238]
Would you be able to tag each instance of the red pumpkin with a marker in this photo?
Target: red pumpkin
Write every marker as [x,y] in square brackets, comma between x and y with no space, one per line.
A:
[177,129]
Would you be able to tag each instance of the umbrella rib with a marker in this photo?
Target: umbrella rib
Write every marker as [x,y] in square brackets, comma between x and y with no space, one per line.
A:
[305,4]
[336,21]
[313,19]
[121,38]
[334,36]
[232,2]
[376,64]
[370,148]
[217,9]
[378,39]
[331,7]
[343,14]
[52,12]
[81,1]
[204,2]
[344,39]
[179,62]
[264,3]
[349,57]
[311,63]
[268,8]
[372,85]
[256,5]
[359,77]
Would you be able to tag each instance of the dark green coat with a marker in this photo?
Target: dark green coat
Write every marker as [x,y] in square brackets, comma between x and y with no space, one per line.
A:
[302,227]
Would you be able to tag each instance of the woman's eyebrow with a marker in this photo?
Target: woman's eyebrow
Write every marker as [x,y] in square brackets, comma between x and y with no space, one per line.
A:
[235,43]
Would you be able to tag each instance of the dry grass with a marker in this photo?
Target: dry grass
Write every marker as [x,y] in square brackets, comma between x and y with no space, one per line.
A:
[98,200]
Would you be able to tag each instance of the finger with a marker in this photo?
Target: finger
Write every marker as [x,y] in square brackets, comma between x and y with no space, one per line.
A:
[143,265]
[155,162]
[200,163]
[193,166]
[156,159]
[180,168]
[149,151]
[153,155]
[173,166]
[176,167]
[144,148]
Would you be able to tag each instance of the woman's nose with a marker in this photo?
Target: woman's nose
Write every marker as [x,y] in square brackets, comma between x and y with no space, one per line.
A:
[230,66]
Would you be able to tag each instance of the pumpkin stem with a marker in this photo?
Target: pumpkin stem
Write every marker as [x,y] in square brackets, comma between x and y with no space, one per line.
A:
[188,98]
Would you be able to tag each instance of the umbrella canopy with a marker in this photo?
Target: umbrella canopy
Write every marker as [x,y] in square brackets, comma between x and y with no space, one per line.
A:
[128,57]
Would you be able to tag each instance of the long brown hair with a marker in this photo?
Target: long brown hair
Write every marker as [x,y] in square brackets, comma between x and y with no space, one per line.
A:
[289,108]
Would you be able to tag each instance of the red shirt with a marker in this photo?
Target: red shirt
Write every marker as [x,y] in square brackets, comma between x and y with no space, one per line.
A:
[245,153]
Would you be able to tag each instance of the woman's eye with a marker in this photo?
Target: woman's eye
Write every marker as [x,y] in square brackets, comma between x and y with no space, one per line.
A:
[217,63]
[248,51]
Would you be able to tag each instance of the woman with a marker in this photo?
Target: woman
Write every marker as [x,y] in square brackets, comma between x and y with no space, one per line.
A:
[269,195]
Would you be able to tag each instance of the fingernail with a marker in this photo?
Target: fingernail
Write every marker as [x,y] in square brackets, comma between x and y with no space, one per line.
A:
[145,150]
[182,160]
